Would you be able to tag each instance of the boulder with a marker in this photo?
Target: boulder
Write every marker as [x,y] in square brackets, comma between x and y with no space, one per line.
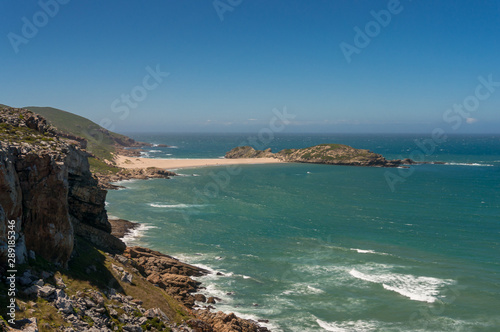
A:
[200,298]
[64,305]
[46,291]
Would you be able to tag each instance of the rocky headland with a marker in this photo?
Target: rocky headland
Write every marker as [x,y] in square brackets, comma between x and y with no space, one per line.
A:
[72,273]
[331,154]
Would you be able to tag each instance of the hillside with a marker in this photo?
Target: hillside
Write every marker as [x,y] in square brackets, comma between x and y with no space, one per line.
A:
[67,272]
[100,142]
[333,154]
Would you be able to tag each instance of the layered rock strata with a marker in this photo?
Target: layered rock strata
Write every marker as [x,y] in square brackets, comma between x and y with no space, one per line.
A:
[48,190]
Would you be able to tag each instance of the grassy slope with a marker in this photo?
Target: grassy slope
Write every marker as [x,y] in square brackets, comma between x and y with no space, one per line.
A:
[101,142]
[78,279]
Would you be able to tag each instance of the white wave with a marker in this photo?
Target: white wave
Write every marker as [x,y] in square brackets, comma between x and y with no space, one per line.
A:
[154,151]
[175,206]
[368,251]
[123,183]
[111,217]
[469,164]
[424,289]
[154,145]
[135,234]
[303,289]
[350,326]
[172,147]
[250,255]
[315,290]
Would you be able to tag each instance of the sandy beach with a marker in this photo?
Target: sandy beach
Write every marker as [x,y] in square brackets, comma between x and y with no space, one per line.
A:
[134,162]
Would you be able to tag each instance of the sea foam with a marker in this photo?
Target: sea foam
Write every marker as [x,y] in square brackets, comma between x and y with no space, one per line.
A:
[469,164]
[175,206]
[368,251]
[349,326]
[424,289]
[134,234]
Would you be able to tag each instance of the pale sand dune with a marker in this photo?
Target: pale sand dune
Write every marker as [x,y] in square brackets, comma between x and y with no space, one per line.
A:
[135,162]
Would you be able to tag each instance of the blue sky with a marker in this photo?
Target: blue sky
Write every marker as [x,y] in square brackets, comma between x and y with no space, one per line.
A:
[229,74]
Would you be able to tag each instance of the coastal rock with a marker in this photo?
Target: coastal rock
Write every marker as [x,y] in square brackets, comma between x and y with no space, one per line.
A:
[64,305]
[132,328]
[133,173]
[222,322]
[48,190]
[200,298]
[46,291]
[121,227]
[167,273]
[33,289]
[332,154]
[149,261]
[156,313]
[249,152]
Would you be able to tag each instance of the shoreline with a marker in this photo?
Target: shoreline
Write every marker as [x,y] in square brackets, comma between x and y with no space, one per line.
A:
[170,164]
[159,269]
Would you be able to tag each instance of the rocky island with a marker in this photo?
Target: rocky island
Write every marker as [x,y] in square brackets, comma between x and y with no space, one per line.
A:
[331,154]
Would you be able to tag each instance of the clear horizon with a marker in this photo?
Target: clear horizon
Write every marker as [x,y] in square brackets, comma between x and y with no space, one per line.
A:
[224,66]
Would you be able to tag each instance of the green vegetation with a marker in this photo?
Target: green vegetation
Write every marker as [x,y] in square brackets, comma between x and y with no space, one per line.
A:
[99,166]
[306,156]
[154,323]
[11,134]
[79,279]
[333,146]
[101,142]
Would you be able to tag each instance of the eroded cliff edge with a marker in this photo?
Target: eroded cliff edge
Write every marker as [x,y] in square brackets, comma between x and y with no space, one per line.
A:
[46,186]
[72,275]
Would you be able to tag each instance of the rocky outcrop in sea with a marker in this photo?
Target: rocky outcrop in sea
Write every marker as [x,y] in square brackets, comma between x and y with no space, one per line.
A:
[331,154]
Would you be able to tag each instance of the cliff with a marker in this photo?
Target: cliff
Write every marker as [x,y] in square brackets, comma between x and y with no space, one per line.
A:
[58,208]
[332,154]
[48,189]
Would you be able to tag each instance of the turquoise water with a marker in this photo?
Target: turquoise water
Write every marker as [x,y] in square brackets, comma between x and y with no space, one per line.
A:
[335,248]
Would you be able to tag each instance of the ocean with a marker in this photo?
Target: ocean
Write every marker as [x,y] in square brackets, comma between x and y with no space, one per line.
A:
[333,248]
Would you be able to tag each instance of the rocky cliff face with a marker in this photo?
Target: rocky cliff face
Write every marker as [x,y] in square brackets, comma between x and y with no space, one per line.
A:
[47,188]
